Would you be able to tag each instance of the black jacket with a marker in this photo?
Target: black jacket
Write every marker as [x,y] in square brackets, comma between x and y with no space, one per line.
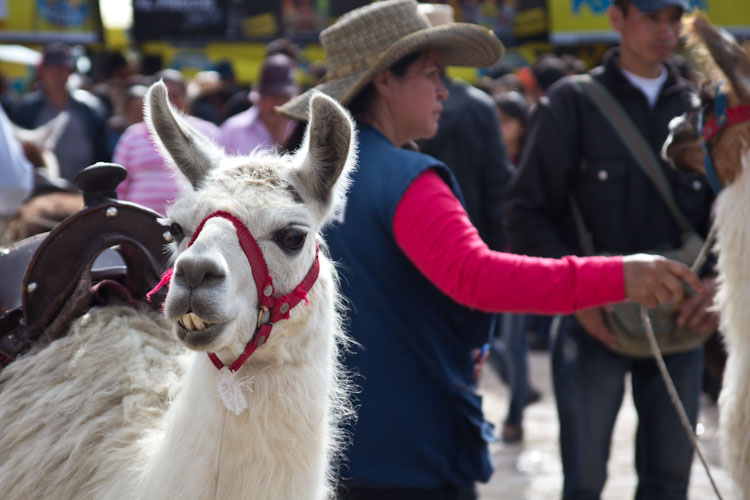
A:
[572,150]
[470,143]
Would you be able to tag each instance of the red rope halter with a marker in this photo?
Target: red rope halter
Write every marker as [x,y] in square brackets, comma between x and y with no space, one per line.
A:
[272,308]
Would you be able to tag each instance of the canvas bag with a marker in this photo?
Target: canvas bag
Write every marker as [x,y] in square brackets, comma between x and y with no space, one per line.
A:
[624,318]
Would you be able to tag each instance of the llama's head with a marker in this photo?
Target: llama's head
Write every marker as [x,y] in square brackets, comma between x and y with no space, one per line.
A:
[283,201]
[728,73]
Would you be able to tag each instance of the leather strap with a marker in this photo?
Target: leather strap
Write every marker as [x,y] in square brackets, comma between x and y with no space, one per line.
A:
[639,148]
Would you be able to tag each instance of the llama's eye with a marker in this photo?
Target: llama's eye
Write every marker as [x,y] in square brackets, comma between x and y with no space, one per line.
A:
[290,239]
[177,233]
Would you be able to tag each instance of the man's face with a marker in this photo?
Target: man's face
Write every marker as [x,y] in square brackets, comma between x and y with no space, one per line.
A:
[54,76]
[650,37]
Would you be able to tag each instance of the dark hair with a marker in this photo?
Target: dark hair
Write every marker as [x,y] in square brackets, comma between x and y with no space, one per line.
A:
[548,70]
[513,105]
[399,67]
[360,102]
[623,5]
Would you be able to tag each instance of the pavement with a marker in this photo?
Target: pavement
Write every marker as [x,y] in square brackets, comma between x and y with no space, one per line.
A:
[531,469]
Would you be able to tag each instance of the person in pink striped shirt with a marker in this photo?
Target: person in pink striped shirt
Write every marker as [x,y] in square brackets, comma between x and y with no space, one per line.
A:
[260,126]
[150,181]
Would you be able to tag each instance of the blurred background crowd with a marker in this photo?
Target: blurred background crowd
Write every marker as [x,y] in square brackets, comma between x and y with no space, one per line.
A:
[119,48]
[76,101]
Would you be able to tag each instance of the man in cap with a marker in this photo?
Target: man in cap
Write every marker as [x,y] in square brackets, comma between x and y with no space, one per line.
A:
[83,141]
[260,126]
[573,153]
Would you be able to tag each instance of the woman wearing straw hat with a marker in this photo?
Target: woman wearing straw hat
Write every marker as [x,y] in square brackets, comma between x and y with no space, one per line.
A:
[414,270]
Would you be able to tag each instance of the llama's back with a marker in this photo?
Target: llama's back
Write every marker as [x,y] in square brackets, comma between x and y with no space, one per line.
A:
[76,414]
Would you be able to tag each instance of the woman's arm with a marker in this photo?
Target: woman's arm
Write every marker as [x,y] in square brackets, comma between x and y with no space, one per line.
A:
[433,230]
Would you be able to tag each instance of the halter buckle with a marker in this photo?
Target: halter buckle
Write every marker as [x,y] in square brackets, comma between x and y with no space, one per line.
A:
[264,316]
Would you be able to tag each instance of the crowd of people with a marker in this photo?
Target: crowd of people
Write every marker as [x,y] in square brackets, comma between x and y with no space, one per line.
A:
[461,229]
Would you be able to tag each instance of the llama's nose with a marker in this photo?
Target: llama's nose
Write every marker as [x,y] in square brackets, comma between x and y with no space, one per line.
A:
[195,270]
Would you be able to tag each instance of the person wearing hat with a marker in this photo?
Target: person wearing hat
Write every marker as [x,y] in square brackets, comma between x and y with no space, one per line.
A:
[572,152]
[260,126]
[417,278]
[84,139]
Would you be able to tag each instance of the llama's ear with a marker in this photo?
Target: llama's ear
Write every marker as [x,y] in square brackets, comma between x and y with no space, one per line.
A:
[682,147]
[329,151]
[189,150]
[727,54]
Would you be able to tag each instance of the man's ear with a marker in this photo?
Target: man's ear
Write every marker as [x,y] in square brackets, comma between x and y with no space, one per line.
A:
[616,18]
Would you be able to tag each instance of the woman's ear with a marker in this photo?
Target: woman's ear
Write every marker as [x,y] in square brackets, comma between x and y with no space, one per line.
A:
[383,82]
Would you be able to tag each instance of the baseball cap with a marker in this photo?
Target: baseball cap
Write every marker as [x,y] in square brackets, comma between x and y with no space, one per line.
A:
[277,77]
[654,5]
[58,54]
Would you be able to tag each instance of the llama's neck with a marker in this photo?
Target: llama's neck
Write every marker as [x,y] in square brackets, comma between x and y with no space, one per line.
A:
[733,246]
[276,448]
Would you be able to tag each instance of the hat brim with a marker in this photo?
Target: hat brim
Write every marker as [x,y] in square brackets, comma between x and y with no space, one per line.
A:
[459,44]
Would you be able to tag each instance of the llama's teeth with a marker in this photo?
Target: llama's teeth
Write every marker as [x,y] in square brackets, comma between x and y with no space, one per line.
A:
[198,322]
[187,321]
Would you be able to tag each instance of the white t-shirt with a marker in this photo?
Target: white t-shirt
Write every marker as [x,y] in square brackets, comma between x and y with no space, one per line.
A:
[649,86]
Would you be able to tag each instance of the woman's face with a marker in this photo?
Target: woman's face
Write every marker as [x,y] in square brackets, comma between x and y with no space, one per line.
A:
[512,131]
[416,98]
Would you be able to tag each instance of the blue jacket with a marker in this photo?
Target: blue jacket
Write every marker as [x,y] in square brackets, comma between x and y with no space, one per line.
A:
[420,421]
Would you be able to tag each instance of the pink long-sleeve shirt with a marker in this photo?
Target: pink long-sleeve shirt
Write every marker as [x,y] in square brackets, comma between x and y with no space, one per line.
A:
[432,228]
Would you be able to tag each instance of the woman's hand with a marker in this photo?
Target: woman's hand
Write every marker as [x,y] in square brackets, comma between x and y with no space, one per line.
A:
[652,280]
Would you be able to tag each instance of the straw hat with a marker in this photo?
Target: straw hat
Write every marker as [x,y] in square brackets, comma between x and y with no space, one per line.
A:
[368,40]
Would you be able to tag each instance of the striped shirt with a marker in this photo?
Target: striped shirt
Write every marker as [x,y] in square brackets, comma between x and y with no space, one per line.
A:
[150,181]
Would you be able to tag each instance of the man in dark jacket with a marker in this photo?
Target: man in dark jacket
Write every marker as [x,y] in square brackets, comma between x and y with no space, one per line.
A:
[573,152]
[84,139]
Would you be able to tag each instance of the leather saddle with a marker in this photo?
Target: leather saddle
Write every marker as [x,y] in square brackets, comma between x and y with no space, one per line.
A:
[109,249]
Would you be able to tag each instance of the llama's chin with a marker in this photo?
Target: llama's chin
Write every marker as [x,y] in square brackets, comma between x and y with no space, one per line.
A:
[199,340]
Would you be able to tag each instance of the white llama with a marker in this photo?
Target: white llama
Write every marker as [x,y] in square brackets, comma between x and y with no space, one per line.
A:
[730,157]
[119,409]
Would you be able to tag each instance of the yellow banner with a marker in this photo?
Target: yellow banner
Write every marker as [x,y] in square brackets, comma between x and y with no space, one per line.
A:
[40,21]
[577,21]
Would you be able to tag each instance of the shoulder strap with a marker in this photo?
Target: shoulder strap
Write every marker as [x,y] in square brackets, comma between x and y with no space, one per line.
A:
[635,142]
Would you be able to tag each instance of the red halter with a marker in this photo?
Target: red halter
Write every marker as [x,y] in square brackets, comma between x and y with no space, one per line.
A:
[729,117]
[272,308]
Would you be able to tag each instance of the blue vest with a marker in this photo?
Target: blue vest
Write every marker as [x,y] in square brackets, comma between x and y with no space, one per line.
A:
[420,421]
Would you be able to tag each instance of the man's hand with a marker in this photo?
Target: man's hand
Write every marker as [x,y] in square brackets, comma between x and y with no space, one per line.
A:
[652,280]
[592,320]
[695,313]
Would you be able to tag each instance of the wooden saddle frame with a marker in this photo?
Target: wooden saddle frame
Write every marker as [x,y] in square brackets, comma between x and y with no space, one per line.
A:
[108,248]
